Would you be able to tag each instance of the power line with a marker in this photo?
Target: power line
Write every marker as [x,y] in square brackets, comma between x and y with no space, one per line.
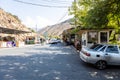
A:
[63,16]
[63,0]
[57,1]
[40,4]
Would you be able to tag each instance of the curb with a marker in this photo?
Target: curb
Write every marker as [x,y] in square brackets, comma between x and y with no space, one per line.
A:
[74,49]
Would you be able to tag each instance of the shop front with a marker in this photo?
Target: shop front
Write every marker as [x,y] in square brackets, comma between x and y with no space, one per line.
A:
[90,37]
[10,38]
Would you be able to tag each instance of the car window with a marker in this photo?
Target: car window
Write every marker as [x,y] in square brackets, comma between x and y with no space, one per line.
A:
[93,46]
[98,47]
[103,48]
[112,49]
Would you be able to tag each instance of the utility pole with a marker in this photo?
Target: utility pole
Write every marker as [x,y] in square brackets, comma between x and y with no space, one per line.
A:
[75,14]
[36,34]
[75,8]
[36,28]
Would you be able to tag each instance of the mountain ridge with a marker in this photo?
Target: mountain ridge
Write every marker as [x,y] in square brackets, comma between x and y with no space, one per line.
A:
[57,29]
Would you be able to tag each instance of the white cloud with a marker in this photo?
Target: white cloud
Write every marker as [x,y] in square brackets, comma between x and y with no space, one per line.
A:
[37,21]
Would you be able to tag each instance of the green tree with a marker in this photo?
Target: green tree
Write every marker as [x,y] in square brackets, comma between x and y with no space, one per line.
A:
[80,11]
[105,15]
[97,13]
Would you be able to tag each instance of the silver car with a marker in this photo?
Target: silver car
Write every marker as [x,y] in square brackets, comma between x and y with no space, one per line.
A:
[101,55]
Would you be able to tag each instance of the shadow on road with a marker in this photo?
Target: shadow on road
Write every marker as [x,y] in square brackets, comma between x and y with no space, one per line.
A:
[38,67]
[55,63]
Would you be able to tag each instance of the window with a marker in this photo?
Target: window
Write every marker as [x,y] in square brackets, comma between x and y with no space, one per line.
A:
[92,37]
[96,47]
[112,49]
[103,48]
[103,37]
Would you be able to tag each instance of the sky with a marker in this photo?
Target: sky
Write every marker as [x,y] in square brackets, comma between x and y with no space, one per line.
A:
[37,14]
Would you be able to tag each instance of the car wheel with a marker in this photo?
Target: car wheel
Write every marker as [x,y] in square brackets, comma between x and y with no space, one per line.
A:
[101,65]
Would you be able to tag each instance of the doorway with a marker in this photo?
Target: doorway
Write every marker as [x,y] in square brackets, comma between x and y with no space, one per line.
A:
[103,37]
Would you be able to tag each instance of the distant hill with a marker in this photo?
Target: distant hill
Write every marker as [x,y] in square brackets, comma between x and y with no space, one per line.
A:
[57,29]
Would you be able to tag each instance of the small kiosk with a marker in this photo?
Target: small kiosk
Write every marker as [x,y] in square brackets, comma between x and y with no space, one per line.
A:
[90,37]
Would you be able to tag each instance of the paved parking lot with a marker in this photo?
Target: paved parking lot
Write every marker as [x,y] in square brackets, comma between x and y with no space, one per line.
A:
[50,62]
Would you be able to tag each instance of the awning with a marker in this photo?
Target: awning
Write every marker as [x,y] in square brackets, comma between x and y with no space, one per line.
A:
[12,31]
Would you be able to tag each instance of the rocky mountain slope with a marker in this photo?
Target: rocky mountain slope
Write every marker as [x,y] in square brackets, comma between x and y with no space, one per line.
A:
[12,24]
[7,20]
[57,29]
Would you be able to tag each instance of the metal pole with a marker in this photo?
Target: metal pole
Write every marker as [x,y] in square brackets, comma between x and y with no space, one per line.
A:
[1,35]
[75,13]
[36,28]
[36,34]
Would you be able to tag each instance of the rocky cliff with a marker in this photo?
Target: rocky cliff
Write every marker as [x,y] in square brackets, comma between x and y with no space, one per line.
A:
[57,29]
[11,24]
[7,20]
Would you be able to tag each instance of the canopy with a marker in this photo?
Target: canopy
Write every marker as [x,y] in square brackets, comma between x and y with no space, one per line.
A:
[12,31]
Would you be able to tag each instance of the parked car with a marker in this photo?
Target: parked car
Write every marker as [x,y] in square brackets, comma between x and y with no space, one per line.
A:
[54,41]
[101,55]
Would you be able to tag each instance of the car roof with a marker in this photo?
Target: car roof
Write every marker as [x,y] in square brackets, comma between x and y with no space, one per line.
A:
[107,44]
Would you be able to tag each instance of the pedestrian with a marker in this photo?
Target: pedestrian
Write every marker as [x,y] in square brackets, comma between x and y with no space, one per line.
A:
[13,43]
[77,45]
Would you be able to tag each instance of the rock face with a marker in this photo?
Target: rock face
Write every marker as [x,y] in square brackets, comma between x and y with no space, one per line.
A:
[7,20]
[56,30]
[12,22]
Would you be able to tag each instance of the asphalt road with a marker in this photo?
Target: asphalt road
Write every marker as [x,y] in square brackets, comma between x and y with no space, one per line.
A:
[50,62]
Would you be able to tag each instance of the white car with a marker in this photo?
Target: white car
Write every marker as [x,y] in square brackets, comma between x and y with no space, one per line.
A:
[101,55]
[54,41]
